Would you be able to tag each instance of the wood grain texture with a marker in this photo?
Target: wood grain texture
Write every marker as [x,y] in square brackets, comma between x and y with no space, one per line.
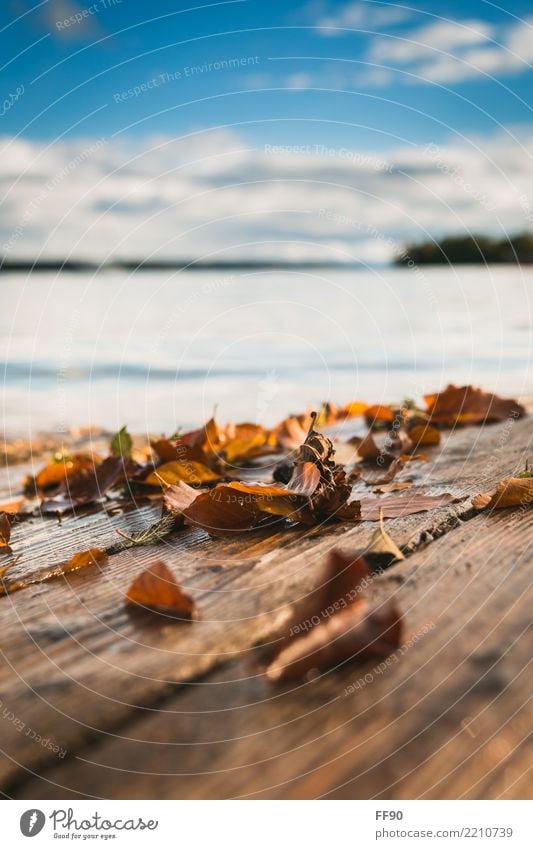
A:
[147,708]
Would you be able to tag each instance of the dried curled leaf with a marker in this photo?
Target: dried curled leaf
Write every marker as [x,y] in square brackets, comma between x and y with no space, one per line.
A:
[316,491]
[334,624]
[157,590]
[470,405]
[178,497]
[510,492]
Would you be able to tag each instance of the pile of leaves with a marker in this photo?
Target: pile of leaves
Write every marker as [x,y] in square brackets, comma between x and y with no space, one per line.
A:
[198,477]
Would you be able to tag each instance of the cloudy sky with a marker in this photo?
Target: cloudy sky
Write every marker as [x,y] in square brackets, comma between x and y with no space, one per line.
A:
[249,129]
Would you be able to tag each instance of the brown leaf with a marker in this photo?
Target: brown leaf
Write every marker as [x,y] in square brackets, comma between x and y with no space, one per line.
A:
[178,497]
[395,486]
[510,492]
[291,432]
[402,505]
[5,533]
[156,589]
[56,474]
[316,491]
[358,633]
[230,509]
[368,449]
[80,560]
[90,486]
[395,467]
[382,551]
[334,624]
[424,435]
[470,405]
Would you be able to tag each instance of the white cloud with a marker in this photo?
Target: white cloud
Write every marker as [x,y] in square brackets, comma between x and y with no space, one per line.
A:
[449,52]
[213,193]
[361,14]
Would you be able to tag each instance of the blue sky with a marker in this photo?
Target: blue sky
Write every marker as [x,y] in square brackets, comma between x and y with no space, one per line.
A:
[161,80]
[72,68]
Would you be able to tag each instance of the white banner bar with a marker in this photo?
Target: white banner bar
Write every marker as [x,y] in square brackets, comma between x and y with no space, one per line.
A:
[269,824]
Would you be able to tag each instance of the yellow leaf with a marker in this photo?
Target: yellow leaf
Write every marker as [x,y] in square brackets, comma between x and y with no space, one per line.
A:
[190,472]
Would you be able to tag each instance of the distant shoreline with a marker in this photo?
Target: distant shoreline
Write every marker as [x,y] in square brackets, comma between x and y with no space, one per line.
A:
[170,265]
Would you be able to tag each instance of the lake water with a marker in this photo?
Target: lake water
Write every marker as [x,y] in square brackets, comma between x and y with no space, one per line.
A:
[158,350]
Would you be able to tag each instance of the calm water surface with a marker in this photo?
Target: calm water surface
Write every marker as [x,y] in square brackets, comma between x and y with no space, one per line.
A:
[158,350]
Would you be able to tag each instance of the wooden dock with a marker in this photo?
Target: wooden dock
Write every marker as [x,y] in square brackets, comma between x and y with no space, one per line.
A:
[97,703]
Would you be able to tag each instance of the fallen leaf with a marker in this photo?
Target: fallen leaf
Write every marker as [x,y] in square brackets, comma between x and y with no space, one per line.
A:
[91,557]
[368,449]
[178,497]
[382,551]
[156,589]
[316,491]
[510,492]
[90,486]
[291,432]
[12,506]
[395,486]
[423,435]
[395,467]
[402,505]
[121,444]
[189,472]
[5,533]
[359,633]
[379,415]
[168,451]
[56,474]
[470,405]
[352,410]
[80,560]
[334,624]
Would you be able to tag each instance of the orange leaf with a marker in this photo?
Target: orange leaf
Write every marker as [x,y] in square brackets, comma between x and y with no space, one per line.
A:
[91,557]
[157,589]
[353,410]
[422,435]
[189,472]
[379,414]
[470,405]
[511,492]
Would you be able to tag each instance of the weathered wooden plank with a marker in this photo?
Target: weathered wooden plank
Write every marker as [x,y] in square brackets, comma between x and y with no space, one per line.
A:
[78,667]
[449,711]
